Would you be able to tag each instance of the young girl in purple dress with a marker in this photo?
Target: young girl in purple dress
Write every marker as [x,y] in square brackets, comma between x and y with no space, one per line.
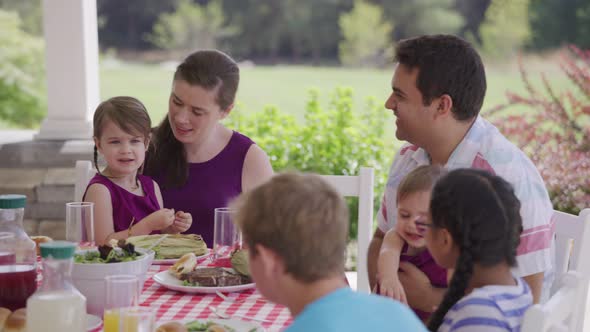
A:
[126,203]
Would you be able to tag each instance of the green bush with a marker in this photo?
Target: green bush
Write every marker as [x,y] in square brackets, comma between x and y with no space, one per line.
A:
[335,140]
[190,27]
[22,101]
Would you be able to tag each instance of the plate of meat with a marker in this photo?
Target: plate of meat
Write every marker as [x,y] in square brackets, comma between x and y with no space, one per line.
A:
[205,280]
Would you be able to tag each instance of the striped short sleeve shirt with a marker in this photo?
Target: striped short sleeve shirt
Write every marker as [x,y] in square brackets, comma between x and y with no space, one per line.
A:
[484,147]
[490,309]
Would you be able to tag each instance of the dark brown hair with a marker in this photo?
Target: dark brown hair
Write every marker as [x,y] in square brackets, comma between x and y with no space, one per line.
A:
[212,70]
[302,219]
[446,65]
[482,214]
[127,113]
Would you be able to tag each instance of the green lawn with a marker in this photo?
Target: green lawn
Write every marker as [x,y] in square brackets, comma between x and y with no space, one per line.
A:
[287,86]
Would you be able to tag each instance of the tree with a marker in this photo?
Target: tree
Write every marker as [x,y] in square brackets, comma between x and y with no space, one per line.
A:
[124,24]
[474,13]
[558,22]
[272,29]
[418,17]
[190,27]
[504,31]
[366,35]
[21,73]
[30,13]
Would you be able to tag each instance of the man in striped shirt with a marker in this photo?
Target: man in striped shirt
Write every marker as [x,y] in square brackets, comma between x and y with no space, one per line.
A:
[438,90]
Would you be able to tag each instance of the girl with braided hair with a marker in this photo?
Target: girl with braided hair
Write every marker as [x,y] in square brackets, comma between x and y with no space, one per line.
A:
[475,228]
[125,201]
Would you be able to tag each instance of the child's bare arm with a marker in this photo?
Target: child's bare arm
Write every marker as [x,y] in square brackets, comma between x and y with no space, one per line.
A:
[388,266]
[104,226]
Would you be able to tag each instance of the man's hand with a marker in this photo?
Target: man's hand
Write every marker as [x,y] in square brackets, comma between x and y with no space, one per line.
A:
[373,255]
[535,282]
[419,292]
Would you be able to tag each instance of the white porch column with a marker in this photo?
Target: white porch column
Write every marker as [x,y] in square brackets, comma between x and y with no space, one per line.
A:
[71,57]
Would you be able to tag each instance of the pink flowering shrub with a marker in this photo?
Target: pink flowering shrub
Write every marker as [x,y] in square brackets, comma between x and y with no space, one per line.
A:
[554,130]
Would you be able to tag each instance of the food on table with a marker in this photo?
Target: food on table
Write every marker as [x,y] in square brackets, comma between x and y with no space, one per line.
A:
[214,277]
[172,327]
[239,261]
[38,240]
[172,247]
[185,264]
[13,321]
[121,252]
[208,326]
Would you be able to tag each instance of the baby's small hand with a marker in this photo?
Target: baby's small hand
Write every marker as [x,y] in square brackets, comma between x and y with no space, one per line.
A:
[392,287]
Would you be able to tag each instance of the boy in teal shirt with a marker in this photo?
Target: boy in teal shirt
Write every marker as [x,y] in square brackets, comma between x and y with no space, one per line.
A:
[295,227]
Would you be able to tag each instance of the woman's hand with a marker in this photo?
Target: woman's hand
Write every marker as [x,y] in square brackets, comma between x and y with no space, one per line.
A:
[182,222]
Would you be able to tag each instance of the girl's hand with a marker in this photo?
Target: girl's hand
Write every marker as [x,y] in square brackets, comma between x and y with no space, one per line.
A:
[392,287]
[161,219]
[182,222]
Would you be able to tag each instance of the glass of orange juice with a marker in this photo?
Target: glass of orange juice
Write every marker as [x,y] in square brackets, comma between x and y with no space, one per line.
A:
[121,291]
[137,319]
[111,320]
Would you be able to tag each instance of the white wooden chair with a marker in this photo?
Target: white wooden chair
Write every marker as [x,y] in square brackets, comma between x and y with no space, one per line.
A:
[572,243]
[360,186]
[564,309]
[572,239]
[84,172]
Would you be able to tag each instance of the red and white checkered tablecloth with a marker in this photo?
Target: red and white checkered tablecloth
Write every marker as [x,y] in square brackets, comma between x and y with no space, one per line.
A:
[173,305]
[179,306]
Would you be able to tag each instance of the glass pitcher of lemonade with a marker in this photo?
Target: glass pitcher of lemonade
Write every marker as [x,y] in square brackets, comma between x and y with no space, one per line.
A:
[57,305]
[18,257]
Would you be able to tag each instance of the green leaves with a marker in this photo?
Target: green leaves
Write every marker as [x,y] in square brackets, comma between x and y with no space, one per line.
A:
[366,35]
[22,76]
[336,140]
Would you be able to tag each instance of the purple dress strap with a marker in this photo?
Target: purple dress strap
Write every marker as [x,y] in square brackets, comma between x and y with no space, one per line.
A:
[436,274]
[210,185]
[126,205]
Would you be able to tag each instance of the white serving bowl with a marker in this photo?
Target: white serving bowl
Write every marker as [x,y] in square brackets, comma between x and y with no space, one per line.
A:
[89,278]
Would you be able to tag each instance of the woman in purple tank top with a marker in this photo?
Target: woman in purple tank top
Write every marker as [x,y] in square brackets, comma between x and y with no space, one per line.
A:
[199,164]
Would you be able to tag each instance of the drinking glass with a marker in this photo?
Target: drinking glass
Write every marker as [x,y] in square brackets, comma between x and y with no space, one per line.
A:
[122,290]
[137,319]
[226,235]
[80,222]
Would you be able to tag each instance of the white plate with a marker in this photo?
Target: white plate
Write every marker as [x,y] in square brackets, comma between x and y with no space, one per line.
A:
[93,322]
[171,261]
[169,281]
[236,324]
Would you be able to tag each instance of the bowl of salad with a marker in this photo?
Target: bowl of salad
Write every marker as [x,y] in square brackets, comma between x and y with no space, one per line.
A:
[92,266]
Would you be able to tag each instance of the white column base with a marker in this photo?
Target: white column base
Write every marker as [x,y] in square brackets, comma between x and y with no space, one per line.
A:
[52,129]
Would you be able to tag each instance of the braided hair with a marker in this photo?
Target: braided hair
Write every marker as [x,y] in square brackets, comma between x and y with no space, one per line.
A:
[482,214]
